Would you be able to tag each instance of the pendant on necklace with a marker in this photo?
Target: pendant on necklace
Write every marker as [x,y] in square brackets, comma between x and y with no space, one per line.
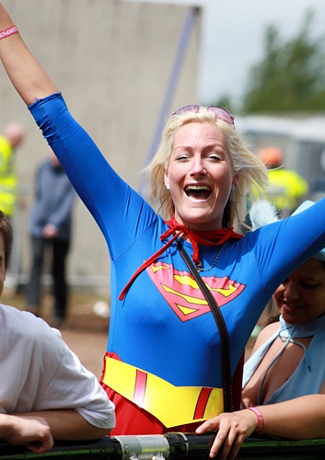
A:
[200,268]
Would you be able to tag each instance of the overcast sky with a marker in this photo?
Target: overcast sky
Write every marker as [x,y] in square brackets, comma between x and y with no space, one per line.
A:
[232,39]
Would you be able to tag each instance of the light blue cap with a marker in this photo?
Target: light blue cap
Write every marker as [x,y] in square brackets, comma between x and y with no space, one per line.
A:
[305,205]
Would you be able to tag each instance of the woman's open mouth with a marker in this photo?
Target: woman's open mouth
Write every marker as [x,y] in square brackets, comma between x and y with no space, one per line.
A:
[198,192]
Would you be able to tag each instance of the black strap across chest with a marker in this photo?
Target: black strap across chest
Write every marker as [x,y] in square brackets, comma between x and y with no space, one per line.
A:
[221,325]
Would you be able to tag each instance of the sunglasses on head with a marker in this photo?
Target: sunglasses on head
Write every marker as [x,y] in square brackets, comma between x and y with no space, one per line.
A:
[219,112]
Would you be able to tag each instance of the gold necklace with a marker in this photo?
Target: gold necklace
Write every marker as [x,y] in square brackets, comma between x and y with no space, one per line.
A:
[199,264]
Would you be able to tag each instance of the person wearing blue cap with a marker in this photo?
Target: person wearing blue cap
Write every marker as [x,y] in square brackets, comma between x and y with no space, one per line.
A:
[284,379]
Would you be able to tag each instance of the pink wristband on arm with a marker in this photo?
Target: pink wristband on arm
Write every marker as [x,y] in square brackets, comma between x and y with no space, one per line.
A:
[260,419]
[7,32]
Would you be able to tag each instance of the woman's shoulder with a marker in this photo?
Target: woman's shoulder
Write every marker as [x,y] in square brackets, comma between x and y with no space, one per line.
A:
[265,334]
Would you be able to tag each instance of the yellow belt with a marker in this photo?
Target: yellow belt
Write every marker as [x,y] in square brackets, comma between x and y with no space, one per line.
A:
[172,405]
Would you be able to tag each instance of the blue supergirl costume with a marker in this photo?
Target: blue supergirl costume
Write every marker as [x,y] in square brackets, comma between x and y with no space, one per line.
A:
[162,366]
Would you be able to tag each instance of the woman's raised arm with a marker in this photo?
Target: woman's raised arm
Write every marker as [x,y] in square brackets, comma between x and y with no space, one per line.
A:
[25,73]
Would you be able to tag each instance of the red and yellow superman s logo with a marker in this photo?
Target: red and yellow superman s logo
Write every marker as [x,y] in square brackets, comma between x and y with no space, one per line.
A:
[183,294]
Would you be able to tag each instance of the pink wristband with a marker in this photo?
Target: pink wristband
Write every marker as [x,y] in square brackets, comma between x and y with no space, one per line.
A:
[7,32]
[260,419]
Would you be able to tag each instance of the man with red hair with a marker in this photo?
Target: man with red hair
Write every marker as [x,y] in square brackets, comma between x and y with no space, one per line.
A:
[287,188]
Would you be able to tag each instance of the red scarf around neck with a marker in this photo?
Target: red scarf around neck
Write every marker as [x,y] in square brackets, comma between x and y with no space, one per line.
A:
[196,237]
[207,238]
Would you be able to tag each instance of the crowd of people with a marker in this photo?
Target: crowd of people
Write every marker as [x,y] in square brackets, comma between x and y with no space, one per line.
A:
[164,366]
[50,222]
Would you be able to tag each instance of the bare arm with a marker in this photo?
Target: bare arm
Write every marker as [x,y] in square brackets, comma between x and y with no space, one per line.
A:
[34,432]
[299,418]
[68,425]
[27,76]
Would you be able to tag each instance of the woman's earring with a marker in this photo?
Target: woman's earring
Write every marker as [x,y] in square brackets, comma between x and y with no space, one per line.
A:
[167,187]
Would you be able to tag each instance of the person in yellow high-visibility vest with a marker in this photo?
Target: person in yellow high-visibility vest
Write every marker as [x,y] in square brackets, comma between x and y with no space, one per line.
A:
[13,135]
[287,188]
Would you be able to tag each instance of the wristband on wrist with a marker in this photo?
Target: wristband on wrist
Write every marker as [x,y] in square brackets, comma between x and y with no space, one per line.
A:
[260,419]
[7,32]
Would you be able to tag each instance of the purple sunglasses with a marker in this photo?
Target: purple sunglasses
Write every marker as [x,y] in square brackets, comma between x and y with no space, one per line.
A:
[219,112]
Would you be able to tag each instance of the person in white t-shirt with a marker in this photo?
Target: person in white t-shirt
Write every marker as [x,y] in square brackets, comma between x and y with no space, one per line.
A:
[47,393]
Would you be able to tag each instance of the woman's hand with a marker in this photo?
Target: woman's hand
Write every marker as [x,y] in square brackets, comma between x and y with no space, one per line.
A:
[232,429]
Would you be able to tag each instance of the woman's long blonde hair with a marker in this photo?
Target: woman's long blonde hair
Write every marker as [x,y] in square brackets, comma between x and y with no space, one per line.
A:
[251,171]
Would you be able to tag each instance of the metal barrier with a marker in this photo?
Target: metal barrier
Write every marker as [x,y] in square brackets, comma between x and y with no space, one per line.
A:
[171,446]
